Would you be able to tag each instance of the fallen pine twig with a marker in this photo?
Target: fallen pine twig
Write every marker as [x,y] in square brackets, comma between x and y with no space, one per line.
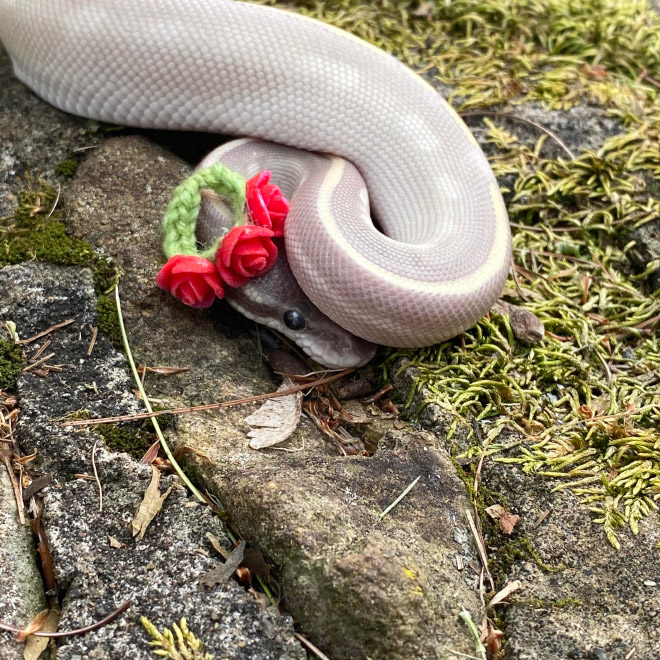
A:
[509,115]
[71,633]
[207,406]
[46,332]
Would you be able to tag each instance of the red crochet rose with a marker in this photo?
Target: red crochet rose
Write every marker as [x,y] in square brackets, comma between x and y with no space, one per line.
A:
[246,251]
[266,204]
[192,279]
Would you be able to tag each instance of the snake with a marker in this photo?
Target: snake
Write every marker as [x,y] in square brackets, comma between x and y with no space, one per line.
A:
[397,235]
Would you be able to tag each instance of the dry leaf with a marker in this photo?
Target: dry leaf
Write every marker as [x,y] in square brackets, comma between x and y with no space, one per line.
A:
[526,326]
[35,646]
[493,642]
[34,625]
[219,548]
[505,592]
[507,522]
[149,507]
[221,574]
[496,511]
[254,560]
[276,419]
[114,543]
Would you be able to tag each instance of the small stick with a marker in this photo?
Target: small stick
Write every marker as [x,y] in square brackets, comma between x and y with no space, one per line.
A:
[39,351]
[70,633]
[45,332]
[508,115]
[480,547]
[398,499]
[17,491]
[95,332]
[38,362]
[96,476]
[208,406]
[310,647]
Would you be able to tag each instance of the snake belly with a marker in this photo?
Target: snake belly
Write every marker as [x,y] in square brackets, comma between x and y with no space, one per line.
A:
[440,252]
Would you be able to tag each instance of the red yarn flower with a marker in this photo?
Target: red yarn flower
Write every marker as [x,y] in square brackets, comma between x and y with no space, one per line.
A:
[194,280]
[266,204]
[246,251]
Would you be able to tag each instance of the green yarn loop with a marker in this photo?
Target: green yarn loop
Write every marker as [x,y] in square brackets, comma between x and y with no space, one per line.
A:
[181,215]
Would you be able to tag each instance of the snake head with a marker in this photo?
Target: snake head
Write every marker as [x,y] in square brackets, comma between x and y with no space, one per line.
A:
[276,300]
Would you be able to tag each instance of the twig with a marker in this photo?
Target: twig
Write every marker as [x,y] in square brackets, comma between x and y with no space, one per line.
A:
[45,332]
[96,476]
[147,405]
[508,115]
[57,199]
[398,499]
[17,491]
[208,406]
[39,351]
[95,332]
[310,647]
[541,518]
[480,546]
[38,362]
[70,633]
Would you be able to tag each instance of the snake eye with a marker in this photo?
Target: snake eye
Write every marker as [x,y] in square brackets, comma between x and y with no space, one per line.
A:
[294,320]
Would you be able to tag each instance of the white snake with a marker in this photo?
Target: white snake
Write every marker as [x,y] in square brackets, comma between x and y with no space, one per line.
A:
[441,252]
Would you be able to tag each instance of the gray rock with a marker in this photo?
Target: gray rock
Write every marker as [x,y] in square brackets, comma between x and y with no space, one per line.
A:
[356,586]
[21,589]
[594,597]
[161,573]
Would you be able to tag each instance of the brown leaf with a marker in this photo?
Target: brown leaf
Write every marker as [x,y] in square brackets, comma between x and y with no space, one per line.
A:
[276,419]
[508,522]
[34,625]
[254,560]
[504,593]
[114,543]
[525,325]
[218,547]
[151,454]
[496,511]
[224,572]
[35,646]
[493,642]
[149,507]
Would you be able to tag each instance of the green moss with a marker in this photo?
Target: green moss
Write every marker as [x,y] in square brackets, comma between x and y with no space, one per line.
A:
[583,399]
[36,232]
[108,319]
[130,439]
[67,168]
[11,363]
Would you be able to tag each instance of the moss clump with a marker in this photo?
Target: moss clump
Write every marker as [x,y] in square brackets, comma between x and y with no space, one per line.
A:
[67,168]
[36,232]
[585,400]
[11,363]
[129,439]
[108,319]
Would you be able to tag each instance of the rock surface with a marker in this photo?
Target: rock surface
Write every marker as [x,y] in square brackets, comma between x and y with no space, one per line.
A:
[160,573]
[358,587]
[21,589]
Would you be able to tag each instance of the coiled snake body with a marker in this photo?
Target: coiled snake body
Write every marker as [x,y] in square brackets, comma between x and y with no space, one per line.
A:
[441,251]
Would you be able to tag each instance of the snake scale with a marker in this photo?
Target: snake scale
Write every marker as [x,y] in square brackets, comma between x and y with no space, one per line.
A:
[384,144]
